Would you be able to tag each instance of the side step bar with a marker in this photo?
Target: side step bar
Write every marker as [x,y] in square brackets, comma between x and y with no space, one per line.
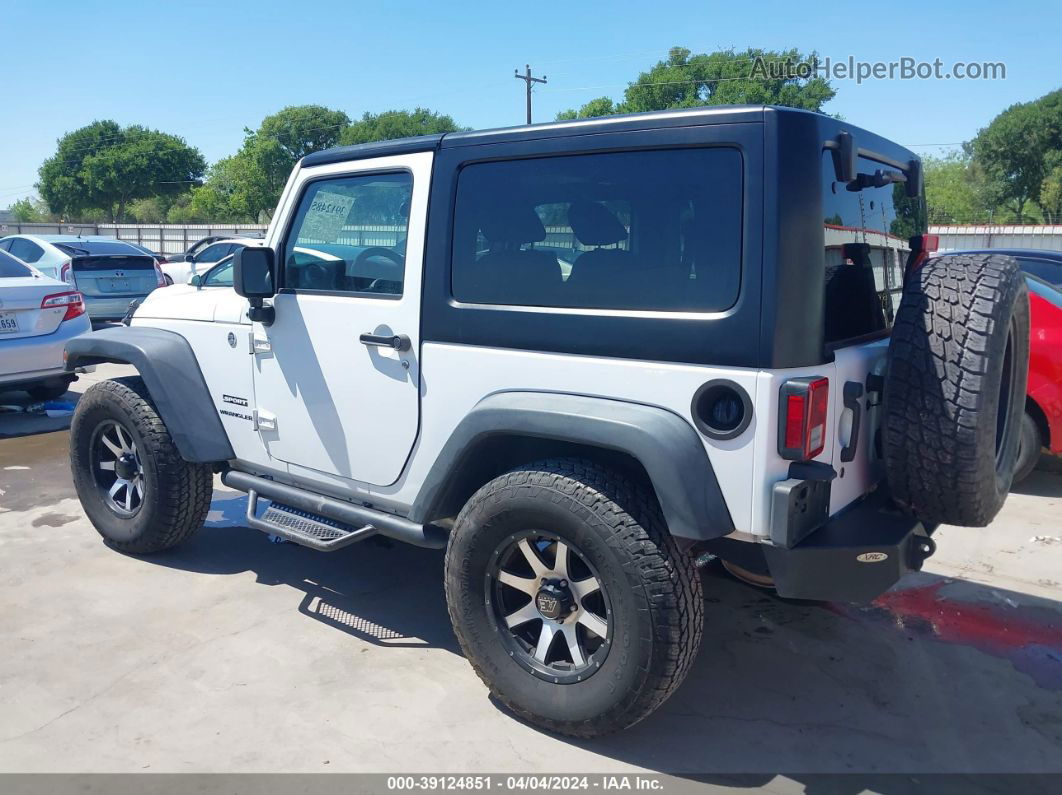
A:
[356,522]
[301,527]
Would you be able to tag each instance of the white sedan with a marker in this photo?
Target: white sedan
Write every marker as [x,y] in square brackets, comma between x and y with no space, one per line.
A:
[38,314]
[182,271]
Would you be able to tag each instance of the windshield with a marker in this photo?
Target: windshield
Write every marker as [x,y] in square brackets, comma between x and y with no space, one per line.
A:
[11,268]
[220,275]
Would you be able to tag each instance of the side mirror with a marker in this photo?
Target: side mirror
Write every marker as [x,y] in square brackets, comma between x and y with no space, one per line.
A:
[252,272]
[196,280]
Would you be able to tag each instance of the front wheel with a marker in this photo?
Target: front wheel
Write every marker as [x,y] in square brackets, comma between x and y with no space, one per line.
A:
[570,598]
[137,491]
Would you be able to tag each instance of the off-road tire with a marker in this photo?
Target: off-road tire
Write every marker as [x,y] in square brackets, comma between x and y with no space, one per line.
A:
[177,493]
[655,591]
[49,390]
[957,370]
[1029,448]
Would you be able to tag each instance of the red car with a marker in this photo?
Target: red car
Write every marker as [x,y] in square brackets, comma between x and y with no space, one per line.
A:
[1042,426]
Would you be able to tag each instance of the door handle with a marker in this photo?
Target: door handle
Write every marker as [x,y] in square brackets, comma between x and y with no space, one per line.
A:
[400,342]
[851,394]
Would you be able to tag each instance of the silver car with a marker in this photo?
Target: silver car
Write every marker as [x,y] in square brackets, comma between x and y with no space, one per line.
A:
[38,315]
[109,273]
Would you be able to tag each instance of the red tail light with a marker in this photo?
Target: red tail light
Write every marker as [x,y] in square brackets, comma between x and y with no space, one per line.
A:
[66,274]
[160,278]
[803,414]
[74,303]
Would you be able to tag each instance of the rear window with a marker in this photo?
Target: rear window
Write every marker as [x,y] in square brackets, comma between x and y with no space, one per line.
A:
[866,236]
[97,248]
[137,263]
[11,268]
[652,230]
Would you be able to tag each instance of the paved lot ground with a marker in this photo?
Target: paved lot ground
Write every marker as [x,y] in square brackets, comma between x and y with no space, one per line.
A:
[234,654]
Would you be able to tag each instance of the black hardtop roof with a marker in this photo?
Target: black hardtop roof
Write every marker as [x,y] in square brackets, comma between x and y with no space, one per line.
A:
[717,114]
[687,117]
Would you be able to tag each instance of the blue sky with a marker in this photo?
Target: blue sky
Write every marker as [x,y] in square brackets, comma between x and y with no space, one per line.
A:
[205,70]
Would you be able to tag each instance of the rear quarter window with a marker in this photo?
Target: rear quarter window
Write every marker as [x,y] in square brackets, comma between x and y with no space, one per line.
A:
[648,230]
[866,235]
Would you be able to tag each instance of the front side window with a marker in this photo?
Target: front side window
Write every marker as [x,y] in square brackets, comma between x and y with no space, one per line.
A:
[214,253]
[219,276]
[349,235]
[651,230]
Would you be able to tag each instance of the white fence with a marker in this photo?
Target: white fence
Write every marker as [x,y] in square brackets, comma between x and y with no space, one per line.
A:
[176,238]
[164,238]
[1028,236]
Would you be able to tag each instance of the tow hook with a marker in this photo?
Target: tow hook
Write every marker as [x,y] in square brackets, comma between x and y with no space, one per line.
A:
[921,548]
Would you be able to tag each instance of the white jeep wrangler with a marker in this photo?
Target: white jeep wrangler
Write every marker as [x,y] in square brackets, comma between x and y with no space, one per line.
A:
[579,356]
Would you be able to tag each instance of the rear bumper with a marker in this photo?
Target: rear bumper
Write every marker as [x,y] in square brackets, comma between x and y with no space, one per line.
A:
[30,359]
[854,556]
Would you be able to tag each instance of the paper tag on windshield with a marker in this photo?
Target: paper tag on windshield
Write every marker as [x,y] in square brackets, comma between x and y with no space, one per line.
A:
[326,216]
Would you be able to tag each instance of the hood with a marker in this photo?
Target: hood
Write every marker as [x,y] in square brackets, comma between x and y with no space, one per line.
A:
[186,302]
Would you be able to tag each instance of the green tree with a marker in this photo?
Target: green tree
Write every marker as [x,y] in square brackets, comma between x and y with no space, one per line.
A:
[246,186]
[106,166]
[955,191]
[30,211]
[1051,190]
[1015,151]
[753,76]
[397,124]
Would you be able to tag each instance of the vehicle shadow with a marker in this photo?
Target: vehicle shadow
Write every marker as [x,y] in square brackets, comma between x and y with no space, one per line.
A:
[939,675]
[21,415]
[1045,480]
[355,590]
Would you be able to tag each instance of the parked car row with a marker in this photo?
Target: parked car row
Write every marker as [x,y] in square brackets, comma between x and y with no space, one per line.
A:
[53,286]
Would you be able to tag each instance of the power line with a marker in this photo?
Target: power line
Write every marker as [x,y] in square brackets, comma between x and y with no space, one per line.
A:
[528,80]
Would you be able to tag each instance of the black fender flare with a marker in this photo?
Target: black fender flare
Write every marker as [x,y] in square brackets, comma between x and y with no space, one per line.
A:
[667,446]
[172,376]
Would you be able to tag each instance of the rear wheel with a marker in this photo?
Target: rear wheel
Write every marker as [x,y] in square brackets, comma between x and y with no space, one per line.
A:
[955,388]
[138,492]
[570,598]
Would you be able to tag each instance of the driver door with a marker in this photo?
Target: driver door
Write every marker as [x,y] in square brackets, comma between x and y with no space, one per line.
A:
[349,265]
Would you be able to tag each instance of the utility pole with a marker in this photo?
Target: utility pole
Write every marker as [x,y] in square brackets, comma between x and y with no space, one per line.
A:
[528,79]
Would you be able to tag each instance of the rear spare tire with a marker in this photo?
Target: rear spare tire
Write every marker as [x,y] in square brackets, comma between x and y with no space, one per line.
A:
[955,388]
